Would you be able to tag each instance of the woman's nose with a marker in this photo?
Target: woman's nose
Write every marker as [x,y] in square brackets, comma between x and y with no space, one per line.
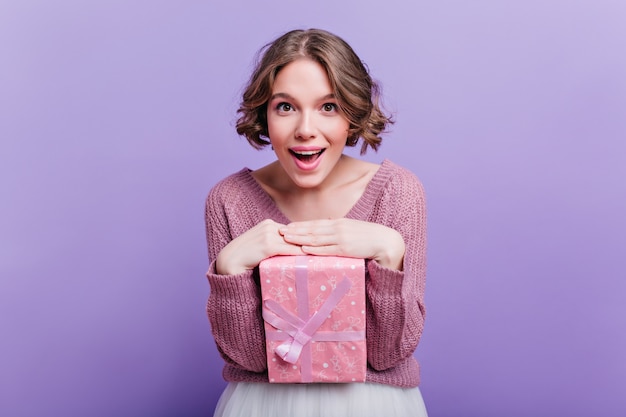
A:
[306,126]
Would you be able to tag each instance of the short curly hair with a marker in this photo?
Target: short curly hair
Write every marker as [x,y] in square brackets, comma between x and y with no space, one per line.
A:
[357,94]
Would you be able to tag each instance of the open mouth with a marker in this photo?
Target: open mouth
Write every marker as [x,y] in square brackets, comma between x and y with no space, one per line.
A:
[307,156]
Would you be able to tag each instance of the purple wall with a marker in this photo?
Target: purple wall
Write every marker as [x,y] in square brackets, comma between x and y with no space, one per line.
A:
[116,117]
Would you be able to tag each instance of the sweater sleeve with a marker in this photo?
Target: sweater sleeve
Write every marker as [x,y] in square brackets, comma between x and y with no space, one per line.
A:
[234,304]
[395,313]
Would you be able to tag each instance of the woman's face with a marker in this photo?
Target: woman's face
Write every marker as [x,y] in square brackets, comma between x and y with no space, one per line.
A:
[307,129]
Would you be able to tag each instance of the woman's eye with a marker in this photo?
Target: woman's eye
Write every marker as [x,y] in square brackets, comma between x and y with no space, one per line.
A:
[284,107]
[329,107]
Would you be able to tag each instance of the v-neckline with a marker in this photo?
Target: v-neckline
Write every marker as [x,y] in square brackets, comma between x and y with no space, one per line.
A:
[360,210]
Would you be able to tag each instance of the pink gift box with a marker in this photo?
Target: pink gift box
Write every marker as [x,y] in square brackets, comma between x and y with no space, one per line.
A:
[314,312]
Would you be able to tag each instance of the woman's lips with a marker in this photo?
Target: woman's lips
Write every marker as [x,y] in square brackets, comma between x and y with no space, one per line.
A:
[307,159]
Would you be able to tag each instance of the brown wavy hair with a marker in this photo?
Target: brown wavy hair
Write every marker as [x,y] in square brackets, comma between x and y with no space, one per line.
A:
[356,93]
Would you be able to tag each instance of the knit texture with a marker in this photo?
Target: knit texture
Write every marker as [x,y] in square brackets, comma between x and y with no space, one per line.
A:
[394,299]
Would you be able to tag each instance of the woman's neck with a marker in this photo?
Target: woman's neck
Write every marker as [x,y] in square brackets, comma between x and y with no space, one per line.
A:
[333,198]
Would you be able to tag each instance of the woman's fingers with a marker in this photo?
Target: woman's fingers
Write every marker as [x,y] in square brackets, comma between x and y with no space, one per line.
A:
[250,248]
[347,237]
[339,237]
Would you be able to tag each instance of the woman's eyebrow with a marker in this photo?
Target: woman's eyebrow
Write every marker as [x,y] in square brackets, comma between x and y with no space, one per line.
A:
[286,96]
[281,95]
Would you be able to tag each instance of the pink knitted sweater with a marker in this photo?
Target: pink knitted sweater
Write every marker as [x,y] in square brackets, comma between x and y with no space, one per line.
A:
[395,299]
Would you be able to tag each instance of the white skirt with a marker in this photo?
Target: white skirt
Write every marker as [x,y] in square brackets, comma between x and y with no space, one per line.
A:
[248,399]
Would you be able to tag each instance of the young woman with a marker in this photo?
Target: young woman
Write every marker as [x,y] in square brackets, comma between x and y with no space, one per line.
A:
[309,97]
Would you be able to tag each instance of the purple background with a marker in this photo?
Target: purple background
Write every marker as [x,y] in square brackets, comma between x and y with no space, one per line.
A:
[116,117]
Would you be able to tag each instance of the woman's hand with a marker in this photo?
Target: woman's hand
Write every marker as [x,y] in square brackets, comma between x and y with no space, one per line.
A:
[249,249]
[347,237]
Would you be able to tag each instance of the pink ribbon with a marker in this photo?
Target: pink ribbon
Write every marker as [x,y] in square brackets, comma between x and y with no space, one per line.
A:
[302,328]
